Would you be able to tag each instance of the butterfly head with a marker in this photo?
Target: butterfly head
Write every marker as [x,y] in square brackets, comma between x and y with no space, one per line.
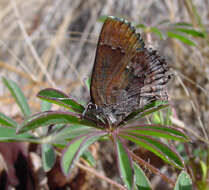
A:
[105,114]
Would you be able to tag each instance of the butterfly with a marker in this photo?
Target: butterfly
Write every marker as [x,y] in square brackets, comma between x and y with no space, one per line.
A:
[126,75]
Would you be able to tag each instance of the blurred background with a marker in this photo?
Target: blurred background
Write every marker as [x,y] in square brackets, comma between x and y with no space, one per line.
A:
[52,43]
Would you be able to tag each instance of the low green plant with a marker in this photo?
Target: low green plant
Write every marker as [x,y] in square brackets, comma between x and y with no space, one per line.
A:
[75,132]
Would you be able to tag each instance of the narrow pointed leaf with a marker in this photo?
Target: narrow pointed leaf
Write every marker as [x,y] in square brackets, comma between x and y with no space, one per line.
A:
[204,169]
[60,98]
[48,157]
[53,117]
[140,26]
[191,32]
[183,24]
[18,96]
[9,135]
[152,110]
[102,18]
[70,153]
[162,150]
[147,110]
[45,105]
[142,182]
[75,149]
[156,131]
[7,121]
[69,132]
[88,83]
[164,21]
[168,117]
[181,38]
[124,164]
[184,182]
[157,117]
[87,156]
[157,32]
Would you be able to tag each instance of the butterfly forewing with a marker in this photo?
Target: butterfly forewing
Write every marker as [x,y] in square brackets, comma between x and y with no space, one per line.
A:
[117,45]
[126,75]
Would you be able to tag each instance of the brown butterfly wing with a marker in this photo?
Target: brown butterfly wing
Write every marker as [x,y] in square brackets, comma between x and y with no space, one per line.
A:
[148,77]
[143,82]
[126,76]
[117,45]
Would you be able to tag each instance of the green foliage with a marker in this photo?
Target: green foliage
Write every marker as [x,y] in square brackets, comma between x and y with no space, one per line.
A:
[184,182]
[7,121]
[160,149]
[76,148]
[51,117]
[156,131]
[142,182]
[181,38]
[9,135]
[76,132]
[157,31]
[89,158]
[61,99]
[182,31]
[45,106]
[124,163]
[18,96]
[48,156]
[191,32]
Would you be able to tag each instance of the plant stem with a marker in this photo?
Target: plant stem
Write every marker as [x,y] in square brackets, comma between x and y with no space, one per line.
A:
[94,172]
[152,169]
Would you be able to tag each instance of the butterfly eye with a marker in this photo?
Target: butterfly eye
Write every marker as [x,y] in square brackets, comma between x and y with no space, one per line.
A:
[91,106]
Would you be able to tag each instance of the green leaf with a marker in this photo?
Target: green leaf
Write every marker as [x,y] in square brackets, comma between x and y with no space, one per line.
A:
[53,117]
[147,110]
[124,164]
[60,98]
[167,120]
[191,32]
[102,18]
[156,131]
[166,153]
[45,105]
[157,32]
[183,24]
[48,157]
[69,132]
[69,154]
[164,21]
[88,83]
[142,182]
[181,38]
[157,117]
[9,135]
[18,96]
[204,169]
[184,182]
[87,156]
[7,121]
[140,26]
[75,149]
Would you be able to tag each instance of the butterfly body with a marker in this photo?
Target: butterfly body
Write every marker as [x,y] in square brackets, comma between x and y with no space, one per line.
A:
[126,76]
